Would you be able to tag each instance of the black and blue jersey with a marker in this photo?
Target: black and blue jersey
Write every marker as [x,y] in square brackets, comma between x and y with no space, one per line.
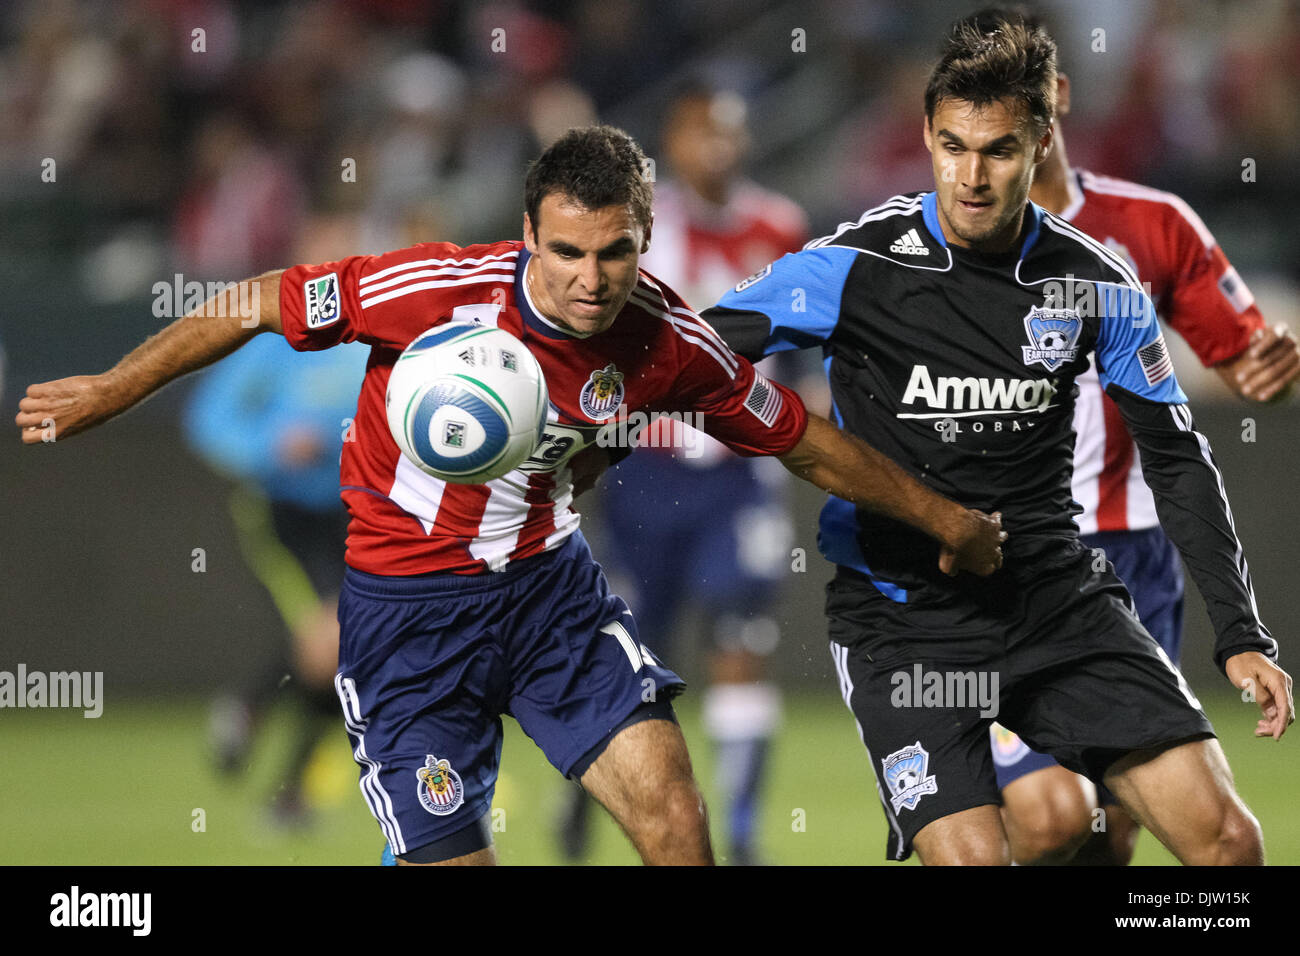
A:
[960,366]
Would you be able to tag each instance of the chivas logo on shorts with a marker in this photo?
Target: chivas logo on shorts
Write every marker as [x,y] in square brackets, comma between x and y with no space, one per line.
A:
[440,789]
[905,775]
[602,394]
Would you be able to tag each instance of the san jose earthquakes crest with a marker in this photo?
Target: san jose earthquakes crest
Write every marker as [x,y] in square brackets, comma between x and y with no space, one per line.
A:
[602,394]
[440,789]
[1053,337]
[906,777]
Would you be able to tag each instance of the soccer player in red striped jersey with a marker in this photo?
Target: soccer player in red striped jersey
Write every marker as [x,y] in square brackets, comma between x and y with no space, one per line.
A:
[462,603]
[1049,811]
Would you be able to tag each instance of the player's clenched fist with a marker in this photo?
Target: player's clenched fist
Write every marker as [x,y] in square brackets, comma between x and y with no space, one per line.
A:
[54,410]
[976,547]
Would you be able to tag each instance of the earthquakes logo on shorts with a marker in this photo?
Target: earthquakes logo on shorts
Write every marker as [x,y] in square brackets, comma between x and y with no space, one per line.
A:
[905,775]
[762,273]
[602,394]
[440,789]
[1008,748]
[321,298]
[1053,337]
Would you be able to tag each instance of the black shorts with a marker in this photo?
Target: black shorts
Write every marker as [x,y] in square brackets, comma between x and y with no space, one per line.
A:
[1049,647]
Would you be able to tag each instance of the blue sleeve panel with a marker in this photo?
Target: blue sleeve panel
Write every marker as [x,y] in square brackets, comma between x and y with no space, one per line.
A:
[837,530]
[799,294]
[1131,350]
[247,405]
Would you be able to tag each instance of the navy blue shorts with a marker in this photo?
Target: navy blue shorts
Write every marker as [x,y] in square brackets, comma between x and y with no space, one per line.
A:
[715,535]
[429,663]
[1148,564]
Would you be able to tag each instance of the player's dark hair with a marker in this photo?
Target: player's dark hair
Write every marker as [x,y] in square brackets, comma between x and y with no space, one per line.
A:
[594,166]
[994,55]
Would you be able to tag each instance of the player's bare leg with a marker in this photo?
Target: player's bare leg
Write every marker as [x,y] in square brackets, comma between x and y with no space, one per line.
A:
[644,780]
[973,837]
[1185,796]
[484,857]
[1115,844]
[1048,815]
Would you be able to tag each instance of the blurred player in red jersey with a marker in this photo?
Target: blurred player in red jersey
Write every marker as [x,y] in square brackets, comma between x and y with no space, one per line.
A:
[462,603]
[1049,811]
[695,525]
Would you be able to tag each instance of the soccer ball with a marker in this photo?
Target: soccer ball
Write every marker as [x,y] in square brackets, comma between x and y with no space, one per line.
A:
[466,403]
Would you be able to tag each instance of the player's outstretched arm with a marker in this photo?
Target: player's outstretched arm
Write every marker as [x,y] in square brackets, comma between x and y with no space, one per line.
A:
[54,410]
[851,469]
[1271,686]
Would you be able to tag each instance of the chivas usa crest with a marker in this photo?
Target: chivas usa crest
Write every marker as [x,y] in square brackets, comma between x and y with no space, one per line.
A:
[440,789]
[1053,337]
[906,777]
[603,393]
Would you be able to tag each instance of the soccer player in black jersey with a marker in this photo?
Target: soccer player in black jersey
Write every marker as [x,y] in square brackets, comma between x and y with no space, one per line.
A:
[953,325]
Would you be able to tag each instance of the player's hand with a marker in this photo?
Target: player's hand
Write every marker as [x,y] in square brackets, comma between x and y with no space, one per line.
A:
[587,466]
[1271,686]
[976,547]
[1267,368]
[55,410]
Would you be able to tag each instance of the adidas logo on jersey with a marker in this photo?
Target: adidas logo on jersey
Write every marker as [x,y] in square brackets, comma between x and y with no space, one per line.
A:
[909,244]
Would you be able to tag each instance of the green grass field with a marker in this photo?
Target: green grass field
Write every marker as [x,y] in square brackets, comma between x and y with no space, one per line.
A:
[123,789]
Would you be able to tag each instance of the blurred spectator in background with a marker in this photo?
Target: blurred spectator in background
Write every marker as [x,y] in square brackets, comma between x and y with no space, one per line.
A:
[690,523]
[276,422]
[241,207]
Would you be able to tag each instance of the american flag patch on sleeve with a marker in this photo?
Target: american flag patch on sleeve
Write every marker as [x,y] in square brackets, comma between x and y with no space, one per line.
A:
[764,400]
[1156,365]
[1235,291]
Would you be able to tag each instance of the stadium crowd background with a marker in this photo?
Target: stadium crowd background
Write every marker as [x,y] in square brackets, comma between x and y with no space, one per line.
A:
[221,155]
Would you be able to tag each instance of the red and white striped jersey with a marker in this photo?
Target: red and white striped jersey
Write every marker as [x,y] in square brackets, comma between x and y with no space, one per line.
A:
[1196,292]
[407,522]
